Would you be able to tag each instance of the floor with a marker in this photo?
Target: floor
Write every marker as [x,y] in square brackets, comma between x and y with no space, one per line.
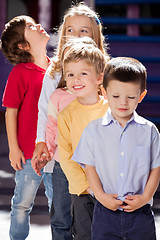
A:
[40,228]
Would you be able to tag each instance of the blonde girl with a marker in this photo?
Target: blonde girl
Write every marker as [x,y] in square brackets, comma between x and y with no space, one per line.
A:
[79,21]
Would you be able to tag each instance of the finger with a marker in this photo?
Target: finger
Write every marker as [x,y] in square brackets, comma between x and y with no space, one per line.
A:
[23,160]
[19,166]
[129,197]
[128,201]
[115,195]
[15,166]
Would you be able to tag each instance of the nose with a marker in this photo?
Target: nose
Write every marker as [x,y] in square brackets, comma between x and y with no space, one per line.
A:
[123,101]
[38,26]
[77,34]
[77,78]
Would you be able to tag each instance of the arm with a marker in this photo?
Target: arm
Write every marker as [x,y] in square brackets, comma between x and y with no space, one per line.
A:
[74,172]
[136,201]
[15,153]
[41,150]
[108,200]
[49,85]
[41,158]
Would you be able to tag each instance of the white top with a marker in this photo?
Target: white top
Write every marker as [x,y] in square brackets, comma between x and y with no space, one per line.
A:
[49,85]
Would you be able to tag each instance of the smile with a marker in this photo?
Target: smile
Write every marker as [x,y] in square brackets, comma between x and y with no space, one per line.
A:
[78,87]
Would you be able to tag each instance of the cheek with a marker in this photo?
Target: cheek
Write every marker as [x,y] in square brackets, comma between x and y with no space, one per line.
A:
[68,84]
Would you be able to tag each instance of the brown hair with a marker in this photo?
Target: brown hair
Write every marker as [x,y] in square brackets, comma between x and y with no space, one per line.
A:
[79,9]
[12,36]
[125,69]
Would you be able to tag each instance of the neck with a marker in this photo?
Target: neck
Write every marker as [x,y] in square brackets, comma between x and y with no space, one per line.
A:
[41,61]
[40,57]
[88,101]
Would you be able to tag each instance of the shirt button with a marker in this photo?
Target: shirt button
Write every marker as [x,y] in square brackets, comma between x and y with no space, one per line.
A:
[122,174]
[122,154]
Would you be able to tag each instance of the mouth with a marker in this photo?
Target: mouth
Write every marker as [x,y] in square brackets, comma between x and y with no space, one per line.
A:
[122,109]
[78,87]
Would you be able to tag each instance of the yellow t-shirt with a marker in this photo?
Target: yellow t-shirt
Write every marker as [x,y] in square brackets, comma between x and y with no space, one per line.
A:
[71,122]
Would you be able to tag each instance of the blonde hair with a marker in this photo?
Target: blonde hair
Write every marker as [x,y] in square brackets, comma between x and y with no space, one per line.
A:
[84,49]
[79,10]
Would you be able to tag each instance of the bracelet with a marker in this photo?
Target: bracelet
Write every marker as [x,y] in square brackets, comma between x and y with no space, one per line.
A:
[40,142]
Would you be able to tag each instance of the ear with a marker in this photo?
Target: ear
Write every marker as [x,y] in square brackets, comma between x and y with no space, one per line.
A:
[100,78]
[23,46]
[103,92]
[143,94]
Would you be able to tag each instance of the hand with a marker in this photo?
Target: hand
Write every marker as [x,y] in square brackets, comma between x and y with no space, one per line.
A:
[134,202]
[40,157]
[16,157]
[111,202]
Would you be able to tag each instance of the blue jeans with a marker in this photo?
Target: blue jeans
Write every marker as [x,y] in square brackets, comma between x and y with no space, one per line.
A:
[120,225]
[61,219]
[27,183]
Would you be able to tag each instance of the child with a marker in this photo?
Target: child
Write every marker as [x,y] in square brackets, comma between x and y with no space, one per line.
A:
[79,21]
[83,71]
[24,44]
[121,153]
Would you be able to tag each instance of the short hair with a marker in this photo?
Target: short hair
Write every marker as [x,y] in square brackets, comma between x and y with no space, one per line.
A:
[84,49]
[12,36]
[125,69]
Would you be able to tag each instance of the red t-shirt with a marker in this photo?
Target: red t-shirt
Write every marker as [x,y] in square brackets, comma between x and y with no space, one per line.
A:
[22,91]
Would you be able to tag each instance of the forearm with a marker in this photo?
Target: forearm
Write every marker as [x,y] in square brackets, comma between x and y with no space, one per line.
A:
[11,127]
[95,183]
[152,184]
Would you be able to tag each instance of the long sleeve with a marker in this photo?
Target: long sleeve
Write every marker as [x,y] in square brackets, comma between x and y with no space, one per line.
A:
[49,85]
[51,128]
[75,174]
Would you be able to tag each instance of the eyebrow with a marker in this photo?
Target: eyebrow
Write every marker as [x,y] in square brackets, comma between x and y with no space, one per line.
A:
[81,27]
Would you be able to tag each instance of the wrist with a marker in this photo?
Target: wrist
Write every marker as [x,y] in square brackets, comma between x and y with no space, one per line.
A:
[40,142]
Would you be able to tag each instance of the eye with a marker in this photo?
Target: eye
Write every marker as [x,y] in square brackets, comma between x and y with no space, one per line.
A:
[31,26]
[131,97]
[70,30]
[84,31]
[69,75]
[83,73]
[115,96]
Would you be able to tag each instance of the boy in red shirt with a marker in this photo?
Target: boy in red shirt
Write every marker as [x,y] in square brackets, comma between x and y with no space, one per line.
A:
[24,43]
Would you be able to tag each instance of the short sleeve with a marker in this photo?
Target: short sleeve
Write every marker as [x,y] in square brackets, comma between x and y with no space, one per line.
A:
[84,153]
[15,89]
[155,148]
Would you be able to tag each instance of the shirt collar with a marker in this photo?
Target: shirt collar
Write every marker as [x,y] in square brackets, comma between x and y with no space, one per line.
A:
[108,118]
[33,66]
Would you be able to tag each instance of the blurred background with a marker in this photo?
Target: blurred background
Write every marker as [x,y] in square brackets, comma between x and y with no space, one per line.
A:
[131,28]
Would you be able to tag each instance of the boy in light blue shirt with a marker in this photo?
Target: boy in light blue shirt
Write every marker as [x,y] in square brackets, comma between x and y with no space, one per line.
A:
[121,154]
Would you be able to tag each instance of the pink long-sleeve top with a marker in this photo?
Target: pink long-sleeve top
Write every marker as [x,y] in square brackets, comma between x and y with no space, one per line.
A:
[59,99]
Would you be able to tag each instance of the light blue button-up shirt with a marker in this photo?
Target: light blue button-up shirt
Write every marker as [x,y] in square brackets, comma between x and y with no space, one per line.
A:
[123,157]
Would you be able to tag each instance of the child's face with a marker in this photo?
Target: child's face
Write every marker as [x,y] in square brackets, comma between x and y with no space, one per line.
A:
[123,98]
[78,26]
[35,35]
[82,80]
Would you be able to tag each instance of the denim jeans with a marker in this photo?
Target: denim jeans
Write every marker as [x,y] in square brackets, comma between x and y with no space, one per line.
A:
[61,219]
[120,225]
[27,183]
